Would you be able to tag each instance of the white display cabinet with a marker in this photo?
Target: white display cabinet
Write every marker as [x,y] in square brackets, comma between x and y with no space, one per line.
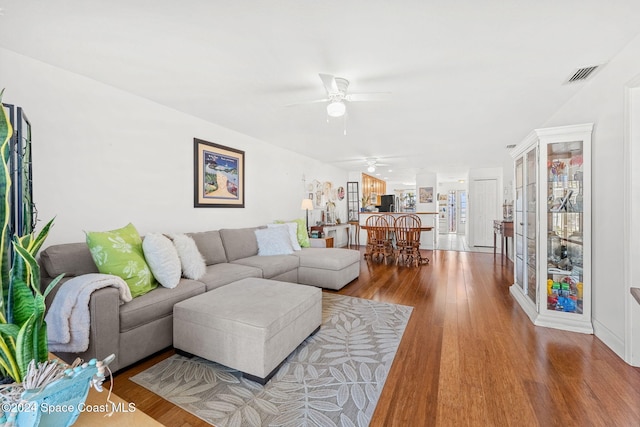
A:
[552,276]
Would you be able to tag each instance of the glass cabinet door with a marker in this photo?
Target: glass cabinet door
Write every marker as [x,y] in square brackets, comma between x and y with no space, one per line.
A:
[519,224]
[531,223]
[565,226]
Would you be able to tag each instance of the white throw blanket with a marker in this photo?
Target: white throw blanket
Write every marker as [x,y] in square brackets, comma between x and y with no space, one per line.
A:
[68,320]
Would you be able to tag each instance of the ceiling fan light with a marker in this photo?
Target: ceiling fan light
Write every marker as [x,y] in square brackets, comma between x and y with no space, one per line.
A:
[336,109]
[371,168]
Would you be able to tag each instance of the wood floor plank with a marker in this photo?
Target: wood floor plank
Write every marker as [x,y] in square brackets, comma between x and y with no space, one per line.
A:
[469,356]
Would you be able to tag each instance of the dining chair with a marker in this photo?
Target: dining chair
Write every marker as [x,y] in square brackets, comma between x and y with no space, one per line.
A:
[379,244]
[407,233]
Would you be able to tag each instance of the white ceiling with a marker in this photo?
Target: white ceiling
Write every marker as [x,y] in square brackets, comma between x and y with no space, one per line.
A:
[466,78]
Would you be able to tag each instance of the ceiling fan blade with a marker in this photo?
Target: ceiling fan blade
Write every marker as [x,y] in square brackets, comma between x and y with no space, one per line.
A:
[367,96]
[329,83]
[315,101]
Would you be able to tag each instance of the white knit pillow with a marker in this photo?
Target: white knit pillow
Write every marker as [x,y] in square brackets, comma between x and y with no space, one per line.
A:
[273,241]
[163,259]
[292,229]
[193,265]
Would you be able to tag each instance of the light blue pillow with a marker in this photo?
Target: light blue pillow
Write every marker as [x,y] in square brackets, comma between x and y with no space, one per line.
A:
[273,241]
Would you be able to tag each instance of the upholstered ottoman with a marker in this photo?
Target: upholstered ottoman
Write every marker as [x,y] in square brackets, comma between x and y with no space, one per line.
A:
[328,268]
[251,325]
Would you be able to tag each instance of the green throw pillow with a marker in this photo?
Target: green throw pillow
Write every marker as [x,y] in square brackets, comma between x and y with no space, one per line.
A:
[119,252]
[302,234]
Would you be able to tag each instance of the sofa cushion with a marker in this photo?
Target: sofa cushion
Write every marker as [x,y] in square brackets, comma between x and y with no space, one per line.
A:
[239,242]
[119,252]
[327,258]
[222,274]
[210,246]
[271,266]
[156,304]
[72,259]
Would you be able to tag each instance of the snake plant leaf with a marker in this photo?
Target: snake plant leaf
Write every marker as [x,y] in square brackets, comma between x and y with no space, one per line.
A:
[36,243]
[24,346]
[6,131]
[52,285]
[7,357]
[40,346]
[21,302]
[9,330]
[32,267]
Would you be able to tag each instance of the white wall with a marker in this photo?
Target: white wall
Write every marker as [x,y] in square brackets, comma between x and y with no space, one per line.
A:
[103,157]
[601,101]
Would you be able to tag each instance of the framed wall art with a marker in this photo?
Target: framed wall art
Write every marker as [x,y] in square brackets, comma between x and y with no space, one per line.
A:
[218,176]
[426,194]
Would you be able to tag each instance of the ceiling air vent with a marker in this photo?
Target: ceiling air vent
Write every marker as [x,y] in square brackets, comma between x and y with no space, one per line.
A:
[582,74]
[510,146]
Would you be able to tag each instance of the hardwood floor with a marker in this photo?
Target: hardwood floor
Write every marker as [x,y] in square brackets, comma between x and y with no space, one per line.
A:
[470,356]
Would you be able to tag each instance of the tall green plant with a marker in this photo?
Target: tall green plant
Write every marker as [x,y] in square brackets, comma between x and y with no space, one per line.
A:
[23,331]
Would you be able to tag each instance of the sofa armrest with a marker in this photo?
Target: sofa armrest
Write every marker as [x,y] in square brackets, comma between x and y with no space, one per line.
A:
[104,333]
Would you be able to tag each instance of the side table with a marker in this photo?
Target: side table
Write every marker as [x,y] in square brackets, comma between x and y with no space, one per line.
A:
[321,242]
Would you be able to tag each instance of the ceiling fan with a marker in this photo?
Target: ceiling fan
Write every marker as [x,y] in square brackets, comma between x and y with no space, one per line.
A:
[373,163]
[337,95]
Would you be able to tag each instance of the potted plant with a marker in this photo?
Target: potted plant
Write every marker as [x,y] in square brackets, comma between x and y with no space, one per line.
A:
[24,357]
[365,202]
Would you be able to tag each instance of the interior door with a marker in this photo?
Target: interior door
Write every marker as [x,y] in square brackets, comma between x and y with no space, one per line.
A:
[482,211]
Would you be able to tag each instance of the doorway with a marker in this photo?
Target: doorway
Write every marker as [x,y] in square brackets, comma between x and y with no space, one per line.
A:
[482,211]
[456,213]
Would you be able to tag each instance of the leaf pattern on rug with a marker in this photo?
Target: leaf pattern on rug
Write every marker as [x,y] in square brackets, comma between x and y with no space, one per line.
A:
[334,378]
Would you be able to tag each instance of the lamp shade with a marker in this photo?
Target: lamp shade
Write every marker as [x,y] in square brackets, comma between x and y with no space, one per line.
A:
[336,109]
[307,205]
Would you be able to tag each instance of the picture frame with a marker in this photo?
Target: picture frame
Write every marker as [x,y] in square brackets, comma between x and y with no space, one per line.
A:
[218,175]
[426,194]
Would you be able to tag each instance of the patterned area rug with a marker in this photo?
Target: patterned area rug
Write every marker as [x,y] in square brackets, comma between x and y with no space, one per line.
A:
[334,378]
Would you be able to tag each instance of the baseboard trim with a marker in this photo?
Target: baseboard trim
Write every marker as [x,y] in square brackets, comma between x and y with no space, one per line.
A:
[610,339]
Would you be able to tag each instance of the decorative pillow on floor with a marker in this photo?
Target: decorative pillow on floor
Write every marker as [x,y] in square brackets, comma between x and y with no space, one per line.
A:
[292,229]
[273,241]
[163,259]
[193,265]
[119,252]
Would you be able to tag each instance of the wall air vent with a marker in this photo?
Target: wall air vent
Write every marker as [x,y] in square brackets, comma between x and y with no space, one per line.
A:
[582,74]
[510,146]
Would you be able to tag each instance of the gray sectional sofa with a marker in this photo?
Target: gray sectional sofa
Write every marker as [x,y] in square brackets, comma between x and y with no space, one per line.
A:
[143,326]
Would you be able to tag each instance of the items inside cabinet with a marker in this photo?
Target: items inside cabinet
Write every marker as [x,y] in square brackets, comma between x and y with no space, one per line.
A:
[565,227]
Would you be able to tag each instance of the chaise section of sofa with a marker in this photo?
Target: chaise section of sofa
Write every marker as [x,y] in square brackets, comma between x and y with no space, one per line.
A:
[327,267]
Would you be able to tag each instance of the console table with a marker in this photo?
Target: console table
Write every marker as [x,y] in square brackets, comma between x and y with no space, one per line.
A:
[505,228]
